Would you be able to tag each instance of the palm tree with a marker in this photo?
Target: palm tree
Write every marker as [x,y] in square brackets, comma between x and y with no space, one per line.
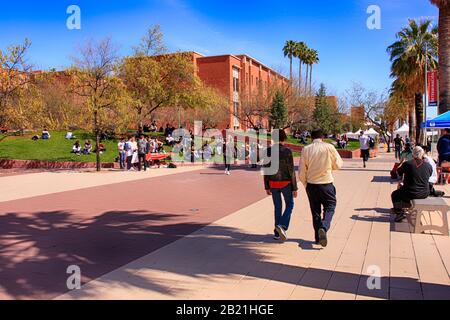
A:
[301,48]
[289,51]
[444,54]
[313,59]
[307,61]
[416,44]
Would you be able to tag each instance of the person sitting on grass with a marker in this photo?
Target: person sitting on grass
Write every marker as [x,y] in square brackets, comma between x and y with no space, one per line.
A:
[45,134]
[76,148]
[87,147]
[101,148]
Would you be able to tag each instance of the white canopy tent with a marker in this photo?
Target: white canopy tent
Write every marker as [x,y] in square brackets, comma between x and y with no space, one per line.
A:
[371,133]
[403,131]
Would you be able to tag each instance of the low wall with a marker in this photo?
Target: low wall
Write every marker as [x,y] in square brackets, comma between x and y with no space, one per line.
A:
[35,164]
[345,154]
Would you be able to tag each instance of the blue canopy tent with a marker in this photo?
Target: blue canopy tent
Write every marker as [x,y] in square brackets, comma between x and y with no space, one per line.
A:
[440,122]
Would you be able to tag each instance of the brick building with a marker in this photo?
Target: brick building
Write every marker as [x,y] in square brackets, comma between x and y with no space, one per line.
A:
[236,76]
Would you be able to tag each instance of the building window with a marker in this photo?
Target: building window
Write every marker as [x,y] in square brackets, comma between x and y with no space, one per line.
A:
[235,80]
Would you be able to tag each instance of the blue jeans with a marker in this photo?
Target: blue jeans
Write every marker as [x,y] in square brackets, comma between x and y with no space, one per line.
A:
[283,218]
[122,159]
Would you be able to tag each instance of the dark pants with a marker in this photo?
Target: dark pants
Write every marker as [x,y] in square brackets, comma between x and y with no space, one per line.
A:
[129,164]
[321,195]
[283,219]
[142,159]
[401,199]
[365,155]
[398,152]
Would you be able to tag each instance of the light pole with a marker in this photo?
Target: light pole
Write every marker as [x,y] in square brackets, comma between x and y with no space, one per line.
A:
[425,96]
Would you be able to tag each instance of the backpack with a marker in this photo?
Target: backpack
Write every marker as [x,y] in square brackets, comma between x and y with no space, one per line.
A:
[126,146]
[172,166]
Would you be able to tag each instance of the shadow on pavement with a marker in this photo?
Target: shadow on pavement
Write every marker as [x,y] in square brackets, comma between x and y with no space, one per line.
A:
[36,251]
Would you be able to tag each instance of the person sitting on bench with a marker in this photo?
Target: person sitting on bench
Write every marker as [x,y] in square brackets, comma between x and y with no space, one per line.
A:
[416,175]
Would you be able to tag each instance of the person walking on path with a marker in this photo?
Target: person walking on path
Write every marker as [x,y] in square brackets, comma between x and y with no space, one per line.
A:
[229,153]
[398,145]
[122,153]
[281,184]
[143,150]
[364,146]
[317,162]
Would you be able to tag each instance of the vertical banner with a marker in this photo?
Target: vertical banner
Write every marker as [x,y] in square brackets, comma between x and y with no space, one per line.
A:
[433,90]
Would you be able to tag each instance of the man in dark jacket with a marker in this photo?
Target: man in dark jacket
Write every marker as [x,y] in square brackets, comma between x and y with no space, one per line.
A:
[416,175]
[282,183]
[443,147]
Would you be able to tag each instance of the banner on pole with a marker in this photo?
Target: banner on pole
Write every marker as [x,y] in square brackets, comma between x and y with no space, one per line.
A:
[433,88]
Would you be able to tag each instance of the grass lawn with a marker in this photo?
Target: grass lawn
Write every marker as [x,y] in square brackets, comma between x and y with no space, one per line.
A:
[55,149]
[352,145]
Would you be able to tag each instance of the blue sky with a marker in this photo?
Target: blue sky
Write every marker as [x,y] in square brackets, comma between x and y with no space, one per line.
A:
[348,50]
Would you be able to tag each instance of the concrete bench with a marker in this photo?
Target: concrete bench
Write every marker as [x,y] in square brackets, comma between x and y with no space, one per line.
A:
[428,205]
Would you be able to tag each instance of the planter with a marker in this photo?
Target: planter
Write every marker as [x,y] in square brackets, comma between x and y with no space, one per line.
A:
[36,164]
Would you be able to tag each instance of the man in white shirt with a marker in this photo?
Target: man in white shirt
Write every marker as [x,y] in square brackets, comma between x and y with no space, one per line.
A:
[364,146]
[317,162]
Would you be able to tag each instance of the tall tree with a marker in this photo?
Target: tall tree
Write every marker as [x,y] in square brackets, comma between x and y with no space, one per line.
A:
[416,45]
[324,116]
[278,113]
[165,82]
[289,51]
[313,59]
[152,43]
[103,93]
[444,54]
[300,50]
[15,74]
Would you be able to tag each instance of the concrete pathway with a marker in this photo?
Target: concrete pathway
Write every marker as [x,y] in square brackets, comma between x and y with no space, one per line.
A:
[235,257]
[197,234]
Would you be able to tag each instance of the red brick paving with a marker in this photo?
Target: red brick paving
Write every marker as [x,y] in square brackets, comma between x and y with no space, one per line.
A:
[103,228]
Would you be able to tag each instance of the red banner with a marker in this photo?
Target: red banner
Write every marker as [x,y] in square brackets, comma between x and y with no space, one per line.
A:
[433,88]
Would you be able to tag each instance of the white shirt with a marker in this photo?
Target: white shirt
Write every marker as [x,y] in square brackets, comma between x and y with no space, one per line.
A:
[317,162]
[364,142]
[434,176]
[121,146]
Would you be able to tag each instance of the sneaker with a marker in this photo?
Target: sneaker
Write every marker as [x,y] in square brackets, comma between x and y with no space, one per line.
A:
[275,237]
[282,232]
[228,173]
[323,241]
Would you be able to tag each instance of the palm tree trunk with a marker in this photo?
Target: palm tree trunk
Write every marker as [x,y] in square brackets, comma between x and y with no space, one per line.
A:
[300,74]
[444,58]
[291,68]
[419,116]
[306,80]
[310,77]
[412,122]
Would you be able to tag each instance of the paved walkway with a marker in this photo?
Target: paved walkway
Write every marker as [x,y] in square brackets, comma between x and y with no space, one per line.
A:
[235,258]
[201,235]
